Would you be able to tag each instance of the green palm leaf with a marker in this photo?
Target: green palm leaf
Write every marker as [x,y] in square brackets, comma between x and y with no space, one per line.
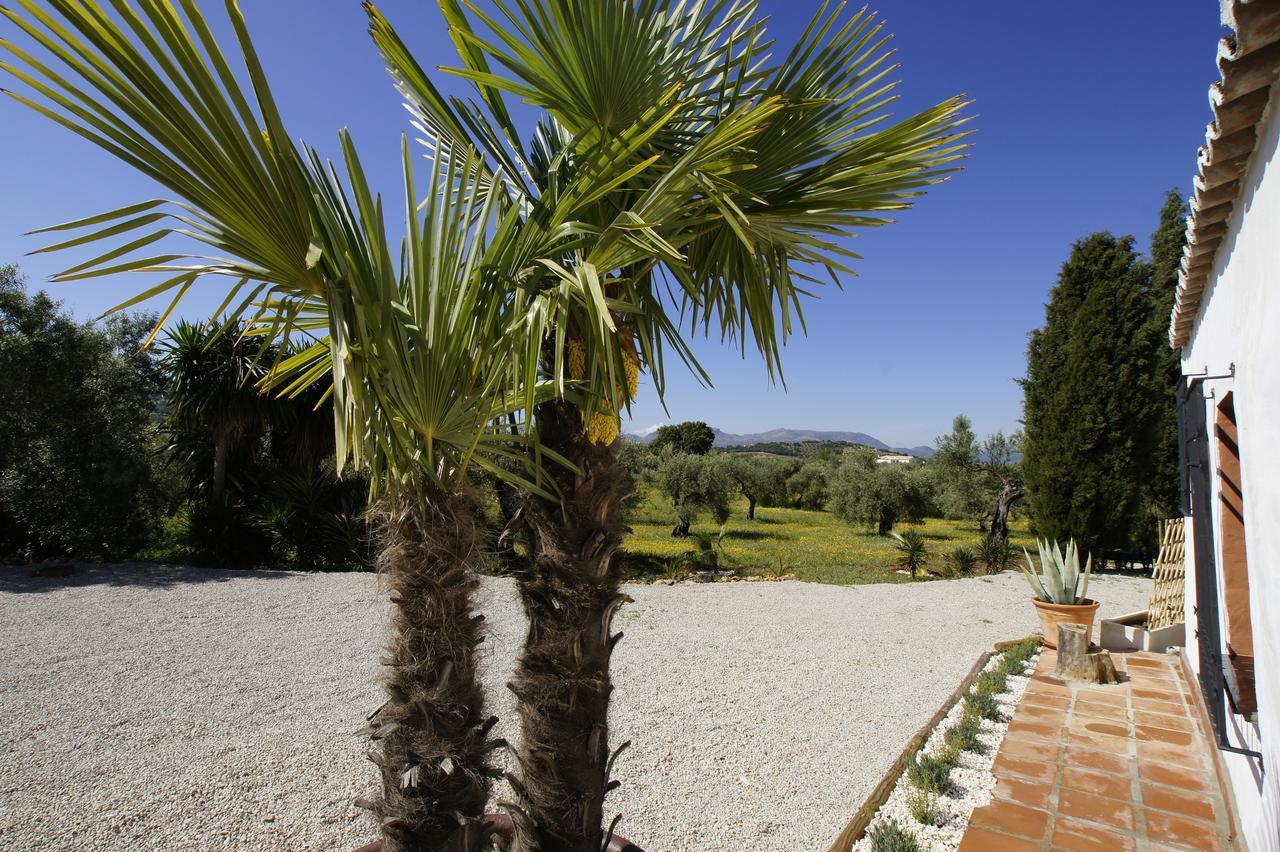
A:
[725,181]
[421,350]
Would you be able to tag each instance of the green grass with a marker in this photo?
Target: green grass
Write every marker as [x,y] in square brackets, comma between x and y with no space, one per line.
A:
[813,546]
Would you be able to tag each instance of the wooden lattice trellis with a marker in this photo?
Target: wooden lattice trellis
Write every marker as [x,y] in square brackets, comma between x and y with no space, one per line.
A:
[1168,601]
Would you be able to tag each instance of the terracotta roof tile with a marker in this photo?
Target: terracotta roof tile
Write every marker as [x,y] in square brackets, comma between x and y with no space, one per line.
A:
[1248,63]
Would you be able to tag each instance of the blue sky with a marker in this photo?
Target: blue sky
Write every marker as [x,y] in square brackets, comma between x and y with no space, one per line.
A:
[1087,112]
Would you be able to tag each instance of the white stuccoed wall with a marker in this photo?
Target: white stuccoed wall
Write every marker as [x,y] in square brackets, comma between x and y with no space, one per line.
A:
[1239,324]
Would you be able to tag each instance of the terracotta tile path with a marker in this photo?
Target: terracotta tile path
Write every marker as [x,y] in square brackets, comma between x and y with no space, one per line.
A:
[1120,767]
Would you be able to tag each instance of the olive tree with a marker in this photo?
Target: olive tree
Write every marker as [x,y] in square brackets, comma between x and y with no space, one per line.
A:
[694,484]
[761,480]
[864,491]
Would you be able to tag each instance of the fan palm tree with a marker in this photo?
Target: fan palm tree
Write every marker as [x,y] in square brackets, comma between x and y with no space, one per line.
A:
[677,171]
[421,353]
[733,256]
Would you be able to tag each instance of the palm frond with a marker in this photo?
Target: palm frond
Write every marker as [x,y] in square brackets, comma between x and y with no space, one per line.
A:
[420,348]
[741,239]
[152,87]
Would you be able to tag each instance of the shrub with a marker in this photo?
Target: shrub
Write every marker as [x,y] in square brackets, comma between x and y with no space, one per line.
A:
[991,682]
[314,519]
[948,755]
[963,736]
[962,561]
[994,555]
[888,837]
[913,551]
[1016,656]
[1011,666]
[982,705]
[923,805]
[932,772]
[76,438]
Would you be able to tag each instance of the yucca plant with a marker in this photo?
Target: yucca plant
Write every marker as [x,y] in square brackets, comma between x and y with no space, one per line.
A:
[994,553]
[314,519]
[913,550]
[962,561]
[215,403]
[705,555]
[1058,579]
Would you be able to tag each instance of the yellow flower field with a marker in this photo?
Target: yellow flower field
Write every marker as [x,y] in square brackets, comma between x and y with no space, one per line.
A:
[813,546]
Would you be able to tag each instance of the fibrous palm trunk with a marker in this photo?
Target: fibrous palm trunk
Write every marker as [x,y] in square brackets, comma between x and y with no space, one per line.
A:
[571,592]
[431,733]
[221,458]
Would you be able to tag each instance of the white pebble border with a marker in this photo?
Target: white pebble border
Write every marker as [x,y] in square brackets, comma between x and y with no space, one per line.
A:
[971,780]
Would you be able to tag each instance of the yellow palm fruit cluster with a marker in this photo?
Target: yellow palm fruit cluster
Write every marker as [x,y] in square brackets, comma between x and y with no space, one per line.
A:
[577,359]
[631,366]
[603,427]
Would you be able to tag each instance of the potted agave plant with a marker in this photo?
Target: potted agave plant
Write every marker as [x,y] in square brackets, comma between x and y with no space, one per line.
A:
[1059,589]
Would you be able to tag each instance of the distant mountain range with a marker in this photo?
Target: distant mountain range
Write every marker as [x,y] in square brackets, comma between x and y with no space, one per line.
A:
[794,436]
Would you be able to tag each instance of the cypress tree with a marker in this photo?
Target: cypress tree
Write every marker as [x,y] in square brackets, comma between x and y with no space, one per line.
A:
[1088,406]
[1166,254]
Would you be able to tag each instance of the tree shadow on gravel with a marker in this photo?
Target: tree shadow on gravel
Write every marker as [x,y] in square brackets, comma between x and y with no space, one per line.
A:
[45,577]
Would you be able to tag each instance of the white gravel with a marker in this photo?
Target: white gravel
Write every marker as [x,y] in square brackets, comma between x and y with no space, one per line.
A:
[972,784]
[185,708]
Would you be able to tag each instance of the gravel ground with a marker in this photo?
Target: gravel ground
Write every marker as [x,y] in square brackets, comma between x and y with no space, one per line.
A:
[971,782]
[185,708]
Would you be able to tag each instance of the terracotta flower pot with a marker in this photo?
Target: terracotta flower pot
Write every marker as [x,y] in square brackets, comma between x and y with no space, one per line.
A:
[1052,614]
[500,825]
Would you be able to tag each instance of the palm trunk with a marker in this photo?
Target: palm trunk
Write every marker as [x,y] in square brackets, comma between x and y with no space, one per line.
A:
[512,522]
[431,733]
[221,457]
[570,592]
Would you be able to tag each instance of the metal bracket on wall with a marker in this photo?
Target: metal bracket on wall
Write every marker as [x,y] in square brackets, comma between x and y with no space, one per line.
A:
[1204,376]
[1245,751]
